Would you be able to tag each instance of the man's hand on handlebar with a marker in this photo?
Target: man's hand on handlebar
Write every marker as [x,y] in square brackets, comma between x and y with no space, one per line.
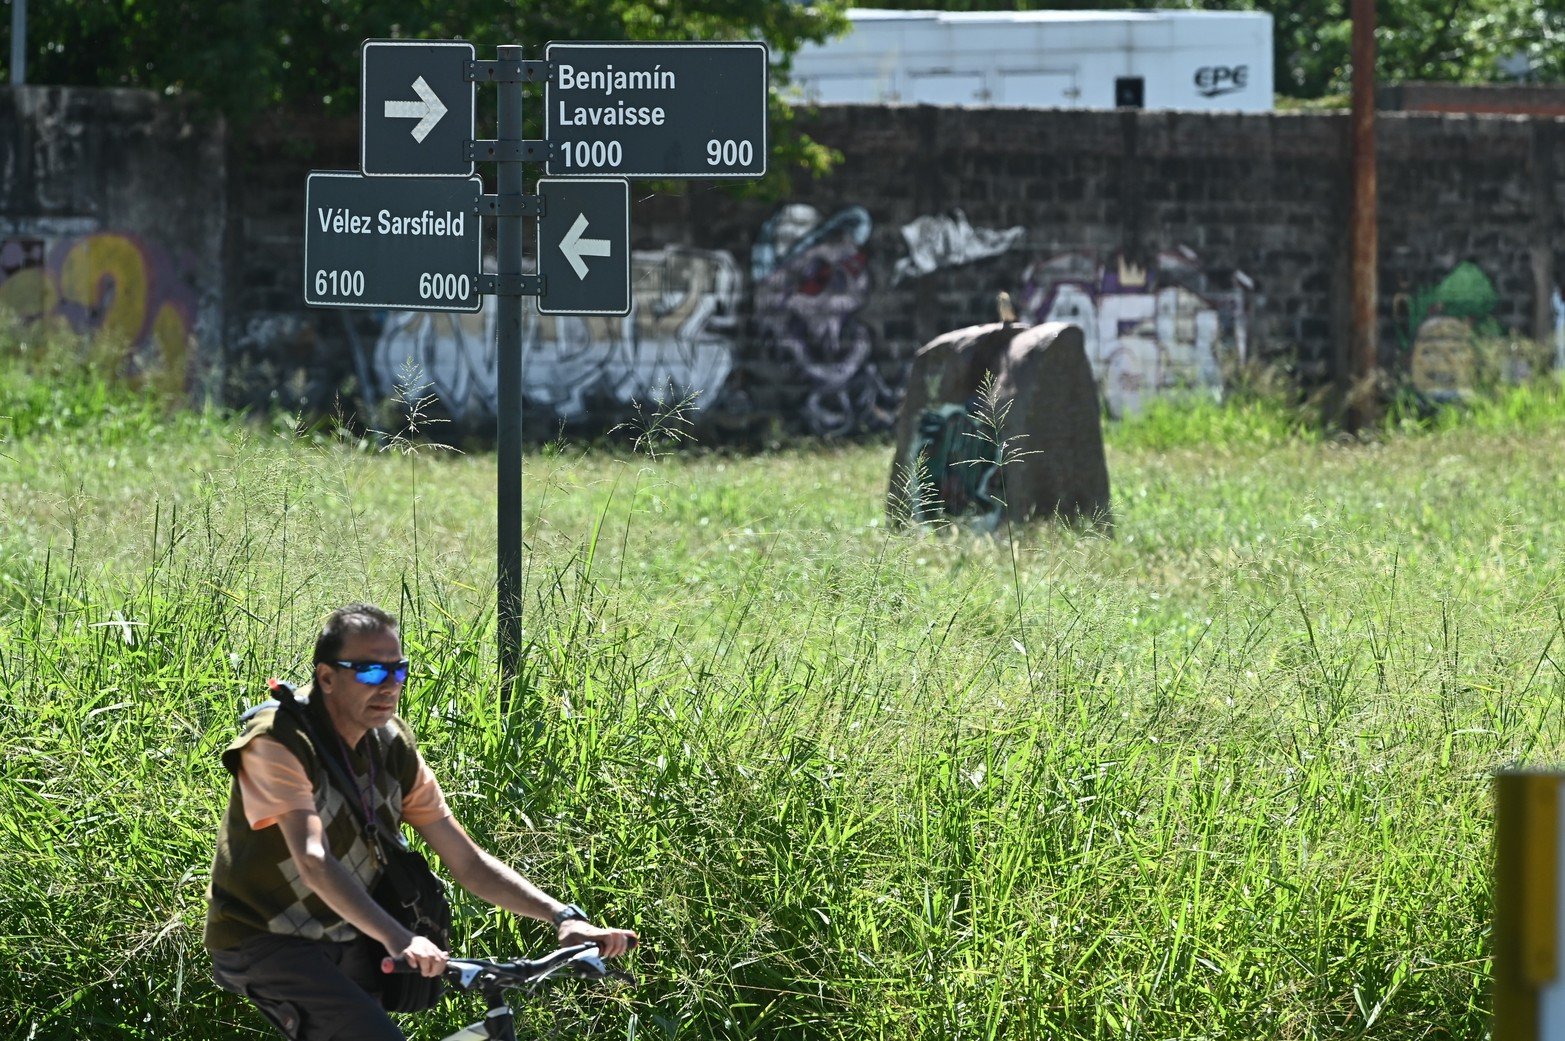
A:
[423,954]
[611,943]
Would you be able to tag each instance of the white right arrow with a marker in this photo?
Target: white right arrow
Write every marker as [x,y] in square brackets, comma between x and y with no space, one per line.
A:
[575,247]
[427,109]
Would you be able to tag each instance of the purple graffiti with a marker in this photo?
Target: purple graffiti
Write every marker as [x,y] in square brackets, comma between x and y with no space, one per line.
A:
[113,285]
[1149,329]
[811,281]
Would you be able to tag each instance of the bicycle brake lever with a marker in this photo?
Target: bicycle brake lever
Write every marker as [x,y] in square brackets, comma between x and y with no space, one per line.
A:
[601,969]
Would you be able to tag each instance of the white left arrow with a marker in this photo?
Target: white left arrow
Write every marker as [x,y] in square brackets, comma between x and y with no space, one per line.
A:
[427,110]
[575,247]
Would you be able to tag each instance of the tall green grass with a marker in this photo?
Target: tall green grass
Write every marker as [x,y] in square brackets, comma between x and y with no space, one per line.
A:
[1225,775]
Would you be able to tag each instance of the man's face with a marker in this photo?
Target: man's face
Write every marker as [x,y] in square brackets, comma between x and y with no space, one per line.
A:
[355,706]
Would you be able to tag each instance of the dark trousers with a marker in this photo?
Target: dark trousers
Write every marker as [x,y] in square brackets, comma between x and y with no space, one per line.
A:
[311,990]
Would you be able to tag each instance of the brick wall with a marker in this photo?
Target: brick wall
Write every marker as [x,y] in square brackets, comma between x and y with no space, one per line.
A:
[1180,241]
[1531,99]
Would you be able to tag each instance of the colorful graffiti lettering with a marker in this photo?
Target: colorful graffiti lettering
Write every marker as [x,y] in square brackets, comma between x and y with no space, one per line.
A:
[811,281]
[1455,345]
[1149,329]
[1440,327]
[676,343]
[117,287]
[1557,304]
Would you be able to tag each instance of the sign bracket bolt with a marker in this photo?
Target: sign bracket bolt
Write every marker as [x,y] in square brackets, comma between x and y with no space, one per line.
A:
[511,205]
[510,285]
[509,150]
[528,71]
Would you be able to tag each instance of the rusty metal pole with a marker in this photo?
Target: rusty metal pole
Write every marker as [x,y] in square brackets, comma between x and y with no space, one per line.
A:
[1363,395]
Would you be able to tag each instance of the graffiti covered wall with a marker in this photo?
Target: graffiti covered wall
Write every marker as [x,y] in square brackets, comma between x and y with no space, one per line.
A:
[1182,243]
[111,225]
[126,292]
[1454,345]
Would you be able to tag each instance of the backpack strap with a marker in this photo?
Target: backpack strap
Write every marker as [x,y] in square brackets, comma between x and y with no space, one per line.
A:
[285,701]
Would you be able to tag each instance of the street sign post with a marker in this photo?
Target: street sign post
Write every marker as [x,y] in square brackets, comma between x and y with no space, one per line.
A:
[416,108]
[584,246]
[398,243]
[405,231]
[671,110]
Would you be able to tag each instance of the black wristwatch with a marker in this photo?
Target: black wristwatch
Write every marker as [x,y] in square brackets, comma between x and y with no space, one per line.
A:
[569,913]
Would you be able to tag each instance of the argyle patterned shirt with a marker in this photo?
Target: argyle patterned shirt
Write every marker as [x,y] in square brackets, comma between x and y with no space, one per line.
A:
[256,888]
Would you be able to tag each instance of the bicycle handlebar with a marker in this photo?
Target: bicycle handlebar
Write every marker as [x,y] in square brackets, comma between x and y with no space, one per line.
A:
[581,960]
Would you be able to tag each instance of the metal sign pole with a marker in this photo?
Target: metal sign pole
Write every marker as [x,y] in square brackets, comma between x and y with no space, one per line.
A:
[508,350]
[18,42]
[416,206]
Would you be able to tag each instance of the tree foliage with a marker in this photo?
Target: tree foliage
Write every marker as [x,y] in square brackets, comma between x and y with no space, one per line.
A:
[1454,40]
[247,57]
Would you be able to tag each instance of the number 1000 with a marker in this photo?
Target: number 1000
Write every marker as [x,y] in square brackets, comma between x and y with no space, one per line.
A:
[591,155]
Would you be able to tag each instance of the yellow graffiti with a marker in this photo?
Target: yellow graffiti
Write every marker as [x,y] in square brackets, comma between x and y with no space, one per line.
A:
[106,276]
[1444,361]
[172,338]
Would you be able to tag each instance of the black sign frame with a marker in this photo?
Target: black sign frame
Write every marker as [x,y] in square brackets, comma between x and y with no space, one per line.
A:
[604,288]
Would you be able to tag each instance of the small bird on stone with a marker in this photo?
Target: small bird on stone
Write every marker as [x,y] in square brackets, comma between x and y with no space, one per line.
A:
[1006,309]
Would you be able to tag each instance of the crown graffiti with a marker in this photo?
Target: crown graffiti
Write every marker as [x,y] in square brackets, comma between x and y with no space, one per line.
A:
[1131,274]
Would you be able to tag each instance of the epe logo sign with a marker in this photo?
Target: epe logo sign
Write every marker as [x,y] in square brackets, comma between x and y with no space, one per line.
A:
[1213,80]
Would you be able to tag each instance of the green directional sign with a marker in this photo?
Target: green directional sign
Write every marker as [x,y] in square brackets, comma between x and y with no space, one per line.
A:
[668,110]
[407,244]
[584,246]
[415,108]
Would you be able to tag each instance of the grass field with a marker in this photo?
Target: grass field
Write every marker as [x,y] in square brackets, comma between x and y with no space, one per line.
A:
[1224,775]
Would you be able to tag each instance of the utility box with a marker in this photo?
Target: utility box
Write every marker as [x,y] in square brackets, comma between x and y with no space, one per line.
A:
[1206,60]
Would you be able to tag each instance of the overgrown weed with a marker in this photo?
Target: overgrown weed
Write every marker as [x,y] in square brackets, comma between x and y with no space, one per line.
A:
[1223,775]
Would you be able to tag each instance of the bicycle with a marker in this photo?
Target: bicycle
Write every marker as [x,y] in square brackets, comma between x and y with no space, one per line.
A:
[493,979]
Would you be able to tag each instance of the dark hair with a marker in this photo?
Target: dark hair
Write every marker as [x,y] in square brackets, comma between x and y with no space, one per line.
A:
[350,620]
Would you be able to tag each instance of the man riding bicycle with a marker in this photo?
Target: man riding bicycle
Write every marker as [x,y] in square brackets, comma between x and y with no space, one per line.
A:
[289,902]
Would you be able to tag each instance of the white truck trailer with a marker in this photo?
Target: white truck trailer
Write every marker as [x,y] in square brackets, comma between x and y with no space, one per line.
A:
[1212,60]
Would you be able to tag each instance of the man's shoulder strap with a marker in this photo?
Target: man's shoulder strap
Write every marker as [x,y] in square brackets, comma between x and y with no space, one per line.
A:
[285,717]
[280,717]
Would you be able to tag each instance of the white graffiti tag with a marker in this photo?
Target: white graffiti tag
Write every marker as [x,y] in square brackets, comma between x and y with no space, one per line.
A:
[1147,333]
[935,242]
[676,343]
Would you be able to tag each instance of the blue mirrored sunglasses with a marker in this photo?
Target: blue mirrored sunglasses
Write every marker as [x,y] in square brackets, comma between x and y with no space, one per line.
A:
[375,672]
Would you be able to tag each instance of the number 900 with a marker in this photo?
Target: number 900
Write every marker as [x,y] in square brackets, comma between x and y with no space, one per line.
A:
[729,153]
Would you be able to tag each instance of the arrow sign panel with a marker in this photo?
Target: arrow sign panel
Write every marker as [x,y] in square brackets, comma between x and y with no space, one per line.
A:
[428,110]
[408,244]
[676,110]
[584,246]
[416,114]
[575,247]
